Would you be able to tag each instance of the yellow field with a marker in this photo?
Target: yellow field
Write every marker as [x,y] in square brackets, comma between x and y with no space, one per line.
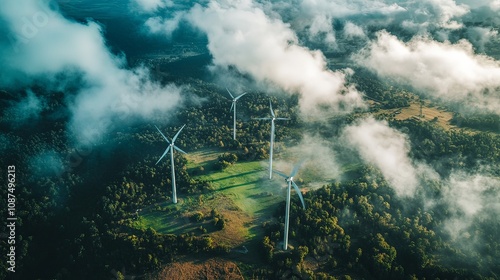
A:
[429,113]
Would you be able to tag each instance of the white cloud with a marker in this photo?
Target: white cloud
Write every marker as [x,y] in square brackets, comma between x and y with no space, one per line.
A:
[322,27]
[54,51]
[310,16]
[470,197]
[495,5]
[28,108]
[152,5]
[267,49]
[480,36]
[314,18]
[433,16]
[387,149]
[480,3]
[344,8]
[164,26]
[445,11]
[447,71]
[320,162]
[352,31]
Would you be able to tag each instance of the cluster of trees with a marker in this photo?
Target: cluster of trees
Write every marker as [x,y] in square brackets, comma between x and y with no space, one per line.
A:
[360,229]
[378,90]
[486,122]
[453,149]
[225,160]
[218,219]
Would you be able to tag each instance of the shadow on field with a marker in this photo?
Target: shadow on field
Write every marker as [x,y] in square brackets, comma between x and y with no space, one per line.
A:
[238,185]
[236,175]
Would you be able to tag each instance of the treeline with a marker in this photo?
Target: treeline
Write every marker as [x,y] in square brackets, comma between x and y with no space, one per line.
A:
[378,90]
[485,122]
[453,149]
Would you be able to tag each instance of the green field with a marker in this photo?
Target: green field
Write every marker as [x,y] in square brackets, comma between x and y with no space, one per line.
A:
[246,183]
[242,189]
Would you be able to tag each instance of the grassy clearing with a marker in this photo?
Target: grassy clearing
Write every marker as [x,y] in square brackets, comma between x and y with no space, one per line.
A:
[203,158]
[242,194]
[240,227]
[166,218]
[246,184]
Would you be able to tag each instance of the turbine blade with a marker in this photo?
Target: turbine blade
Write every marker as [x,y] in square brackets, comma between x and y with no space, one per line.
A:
[177,134]
[178,149]
[232,97]
[283,119]
[166,151]
[267,119]
[271,107]
[162,134]
[296,169]
[240,96]
[232,107]
[299,193]
[281,174]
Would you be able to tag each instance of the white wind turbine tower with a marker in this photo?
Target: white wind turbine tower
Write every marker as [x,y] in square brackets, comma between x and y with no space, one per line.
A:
[273,118]
[233,106]
[171,147]
[290,182]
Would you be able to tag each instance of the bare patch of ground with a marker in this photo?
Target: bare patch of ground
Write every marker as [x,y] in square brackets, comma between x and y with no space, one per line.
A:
[429,113]
[212,269]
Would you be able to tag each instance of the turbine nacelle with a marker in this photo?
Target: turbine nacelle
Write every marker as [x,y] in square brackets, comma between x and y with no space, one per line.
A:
[171,144]
[289,180]
[233,98]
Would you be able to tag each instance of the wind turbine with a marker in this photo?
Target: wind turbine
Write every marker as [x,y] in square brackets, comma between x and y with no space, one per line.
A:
[171,147]
[290,182]
[274,118]
[233,106]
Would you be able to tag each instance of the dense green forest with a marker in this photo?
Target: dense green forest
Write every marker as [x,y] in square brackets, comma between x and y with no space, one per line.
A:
[76,204]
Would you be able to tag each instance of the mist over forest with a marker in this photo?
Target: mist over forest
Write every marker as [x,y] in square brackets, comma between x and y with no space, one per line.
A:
[392,109]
